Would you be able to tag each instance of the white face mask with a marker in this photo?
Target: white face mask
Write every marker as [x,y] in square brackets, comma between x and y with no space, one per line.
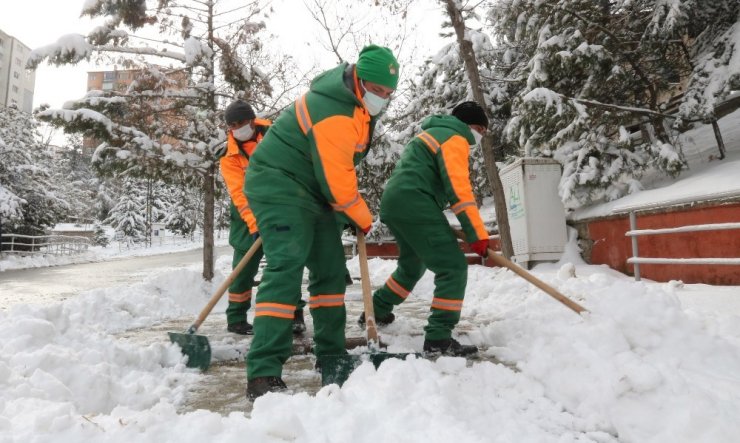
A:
[373,102]
[477,136]
[244,133]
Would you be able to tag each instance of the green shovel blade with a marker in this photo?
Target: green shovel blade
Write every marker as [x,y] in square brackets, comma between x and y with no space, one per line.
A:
[196,347]
[337,368]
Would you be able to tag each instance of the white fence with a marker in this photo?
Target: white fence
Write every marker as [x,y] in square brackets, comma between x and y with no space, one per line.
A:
[43,244]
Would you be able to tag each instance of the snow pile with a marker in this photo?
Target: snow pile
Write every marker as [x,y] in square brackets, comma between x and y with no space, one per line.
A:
[638,368]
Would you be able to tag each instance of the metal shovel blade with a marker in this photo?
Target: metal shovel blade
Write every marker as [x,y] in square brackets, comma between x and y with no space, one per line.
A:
[196,347]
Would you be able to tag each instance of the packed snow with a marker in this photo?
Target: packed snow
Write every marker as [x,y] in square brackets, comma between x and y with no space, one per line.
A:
[651,362]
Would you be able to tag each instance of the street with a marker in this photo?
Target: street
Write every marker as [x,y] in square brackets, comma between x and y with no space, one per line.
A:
[57,283]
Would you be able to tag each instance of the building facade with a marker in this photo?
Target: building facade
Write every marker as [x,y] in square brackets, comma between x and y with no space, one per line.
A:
[16,82]
[118,81]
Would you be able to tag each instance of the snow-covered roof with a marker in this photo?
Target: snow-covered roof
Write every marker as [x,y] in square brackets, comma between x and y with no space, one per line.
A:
[707,179]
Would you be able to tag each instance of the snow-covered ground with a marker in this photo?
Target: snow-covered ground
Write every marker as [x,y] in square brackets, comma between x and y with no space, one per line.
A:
[651,362]
[114,250]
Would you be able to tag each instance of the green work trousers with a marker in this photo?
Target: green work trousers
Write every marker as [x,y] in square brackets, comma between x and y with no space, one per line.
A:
[240,290]
[294,238]
[430,244]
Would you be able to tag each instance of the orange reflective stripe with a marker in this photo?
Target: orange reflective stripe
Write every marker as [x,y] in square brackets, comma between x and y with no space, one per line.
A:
[301,113]
[278,310]
[457,208]
[397,288]
[240,297]
[326,301]
[447,304]
[346,206]
[430,142]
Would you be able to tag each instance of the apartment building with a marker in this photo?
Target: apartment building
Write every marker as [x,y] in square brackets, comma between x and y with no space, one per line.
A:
[119,80]
[16,82]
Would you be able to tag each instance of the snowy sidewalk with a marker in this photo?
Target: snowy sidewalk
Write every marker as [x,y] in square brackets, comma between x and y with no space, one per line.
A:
[640,368]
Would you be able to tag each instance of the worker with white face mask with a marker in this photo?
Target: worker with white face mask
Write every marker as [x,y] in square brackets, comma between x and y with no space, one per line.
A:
[301,179]
[245,131]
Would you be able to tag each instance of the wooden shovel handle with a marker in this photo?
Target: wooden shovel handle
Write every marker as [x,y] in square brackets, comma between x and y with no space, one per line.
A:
[506,263]
[221,289]
[367,296]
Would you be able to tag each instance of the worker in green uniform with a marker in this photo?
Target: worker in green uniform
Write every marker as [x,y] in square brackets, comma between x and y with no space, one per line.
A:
[300,177]
[245,131]
[432,175]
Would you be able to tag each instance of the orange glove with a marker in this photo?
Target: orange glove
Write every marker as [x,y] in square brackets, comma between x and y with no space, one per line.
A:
[480,247]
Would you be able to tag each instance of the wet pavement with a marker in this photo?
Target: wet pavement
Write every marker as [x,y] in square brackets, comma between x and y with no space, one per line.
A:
[224,384]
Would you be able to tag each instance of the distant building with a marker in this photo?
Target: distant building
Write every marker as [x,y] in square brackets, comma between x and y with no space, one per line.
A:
[16,82]
[118,81]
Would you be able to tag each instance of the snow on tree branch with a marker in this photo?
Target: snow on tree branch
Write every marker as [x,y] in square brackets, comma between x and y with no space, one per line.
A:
[69,49]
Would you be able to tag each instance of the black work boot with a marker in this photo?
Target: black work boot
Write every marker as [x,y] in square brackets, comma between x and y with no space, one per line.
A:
[450,347]
[260,386]
[299,325]
[242,328]
[385,321]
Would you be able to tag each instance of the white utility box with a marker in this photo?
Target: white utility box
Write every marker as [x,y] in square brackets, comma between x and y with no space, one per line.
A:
[536,213]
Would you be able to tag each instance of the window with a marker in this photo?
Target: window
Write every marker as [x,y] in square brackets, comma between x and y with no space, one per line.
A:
[15,89]
[107,86]
[18,61]
[2,43]
[109,76]
[16,74]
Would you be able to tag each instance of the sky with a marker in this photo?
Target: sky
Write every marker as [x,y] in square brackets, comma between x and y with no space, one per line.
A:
[41,22]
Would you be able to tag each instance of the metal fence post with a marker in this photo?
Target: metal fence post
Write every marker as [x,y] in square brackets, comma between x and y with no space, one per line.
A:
[635,253]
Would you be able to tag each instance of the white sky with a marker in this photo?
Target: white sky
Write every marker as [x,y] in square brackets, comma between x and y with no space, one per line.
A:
[41,22]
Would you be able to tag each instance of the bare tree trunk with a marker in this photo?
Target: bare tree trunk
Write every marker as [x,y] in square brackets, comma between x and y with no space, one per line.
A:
[471,67]
[209,184]
[208,205]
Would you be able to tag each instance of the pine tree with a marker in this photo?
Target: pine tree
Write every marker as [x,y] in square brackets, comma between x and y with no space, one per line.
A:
[29,203]
[127,215]
[591,76]
[168,124]
[76,180]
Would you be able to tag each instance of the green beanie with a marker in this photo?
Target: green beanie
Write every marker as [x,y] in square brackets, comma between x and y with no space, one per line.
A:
[378,65]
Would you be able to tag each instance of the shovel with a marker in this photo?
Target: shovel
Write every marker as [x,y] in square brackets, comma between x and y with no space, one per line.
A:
[337,368]
[196,347]
[502,261]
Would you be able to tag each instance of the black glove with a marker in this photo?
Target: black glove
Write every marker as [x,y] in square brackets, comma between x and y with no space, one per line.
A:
[255,236]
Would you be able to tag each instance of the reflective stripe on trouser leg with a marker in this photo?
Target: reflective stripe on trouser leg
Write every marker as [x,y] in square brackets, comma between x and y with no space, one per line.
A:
[287,235]
[408,272]
[240,290]
[326,285]
[236,311]
[437,248]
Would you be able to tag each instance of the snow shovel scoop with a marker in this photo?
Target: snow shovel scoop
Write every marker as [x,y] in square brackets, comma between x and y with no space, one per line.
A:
[196,347]
[337,368]
[502,261]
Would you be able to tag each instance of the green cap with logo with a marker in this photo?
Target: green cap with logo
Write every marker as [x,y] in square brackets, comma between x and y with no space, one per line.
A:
[378,65]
